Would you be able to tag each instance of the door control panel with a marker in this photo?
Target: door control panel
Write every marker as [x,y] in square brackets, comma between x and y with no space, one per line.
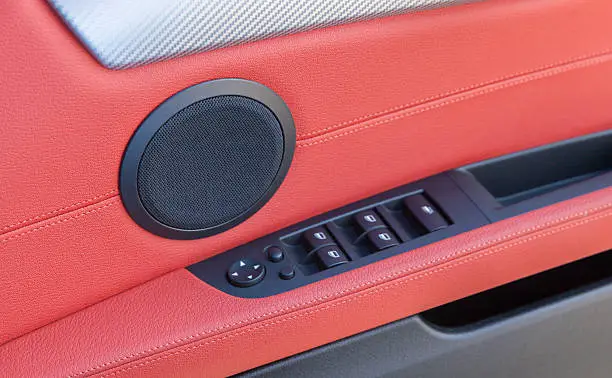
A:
[393,222]
[411,216]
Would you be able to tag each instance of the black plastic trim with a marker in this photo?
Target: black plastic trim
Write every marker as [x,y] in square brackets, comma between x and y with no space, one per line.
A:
[464,215]
[583,165]
[560,171]
[128,183]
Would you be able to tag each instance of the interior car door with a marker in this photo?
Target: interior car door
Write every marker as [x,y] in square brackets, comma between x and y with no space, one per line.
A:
[475,135]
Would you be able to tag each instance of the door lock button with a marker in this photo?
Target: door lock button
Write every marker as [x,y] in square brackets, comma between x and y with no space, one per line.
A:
[317,237]
[275,254]
[382,238]
[246,272]
[287,272]
[331,256]
[425,212]
[368,220]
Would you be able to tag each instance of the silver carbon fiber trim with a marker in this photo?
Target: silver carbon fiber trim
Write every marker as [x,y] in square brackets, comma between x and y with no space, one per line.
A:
[127,33]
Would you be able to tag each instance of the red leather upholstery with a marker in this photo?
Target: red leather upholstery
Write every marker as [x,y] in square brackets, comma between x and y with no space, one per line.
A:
[178,326]
[377,104]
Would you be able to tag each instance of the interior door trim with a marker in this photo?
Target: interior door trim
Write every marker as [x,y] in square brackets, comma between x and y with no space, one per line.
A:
[130,33]
[171,325]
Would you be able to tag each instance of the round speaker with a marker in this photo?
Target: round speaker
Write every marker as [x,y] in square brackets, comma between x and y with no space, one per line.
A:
[207,158]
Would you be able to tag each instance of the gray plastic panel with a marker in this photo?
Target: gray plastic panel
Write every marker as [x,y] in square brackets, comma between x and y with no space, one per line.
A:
[566,339]
[513,184]
[123,33]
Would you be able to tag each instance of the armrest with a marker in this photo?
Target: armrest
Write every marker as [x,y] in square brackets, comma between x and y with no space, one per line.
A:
[177,325]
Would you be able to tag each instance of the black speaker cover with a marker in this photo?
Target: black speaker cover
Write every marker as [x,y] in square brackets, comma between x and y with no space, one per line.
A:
[207,158]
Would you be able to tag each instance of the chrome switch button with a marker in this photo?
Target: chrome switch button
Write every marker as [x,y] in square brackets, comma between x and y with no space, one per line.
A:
[331,256]
[382,238]
[425,212]
[368,220]
[317,237]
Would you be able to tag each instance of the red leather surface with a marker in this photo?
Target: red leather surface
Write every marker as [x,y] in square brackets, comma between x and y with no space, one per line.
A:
[377,104]
[178,326]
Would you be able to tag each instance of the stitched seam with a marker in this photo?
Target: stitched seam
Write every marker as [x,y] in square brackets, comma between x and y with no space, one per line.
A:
[463,97]
[69,207]
[451,92]
[96,209]
[371,115]
[360,286]
[361,118]
[388,286]
[407,270]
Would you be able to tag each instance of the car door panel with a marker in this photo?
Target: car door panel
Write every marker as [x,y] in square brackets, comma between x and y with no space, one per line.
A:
[550,339]
[177,325]
[377,104]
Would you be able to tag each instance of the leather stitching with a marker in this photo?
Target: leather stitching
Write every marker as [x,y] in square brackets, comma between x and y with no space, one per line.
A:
[595,57]
[360,286]
[449,93]
[411,269]
[95,209]
[587,60]
[460,97]
[387,286]
[74,206]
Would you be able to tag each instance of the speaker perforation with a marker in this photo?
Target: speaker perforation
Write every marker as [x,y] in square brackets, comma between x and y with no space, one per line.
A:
[200,169]
[207,158]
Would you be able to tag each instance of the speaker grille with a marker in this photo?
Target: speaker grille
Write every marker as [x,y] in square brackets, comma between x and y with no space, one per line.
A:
[210,162]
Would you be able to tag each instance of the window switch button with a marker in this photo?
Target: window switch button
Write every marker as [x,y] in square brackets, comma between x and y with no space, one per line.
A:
[331,256]
[382,238]
[368,220]
[425,212]
[317,237]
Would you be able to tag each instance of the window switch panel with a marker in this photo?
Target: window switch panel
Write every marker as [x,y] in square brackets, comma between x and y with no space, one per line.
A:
[425,212]
[382,238]
[331,256]
[337,241]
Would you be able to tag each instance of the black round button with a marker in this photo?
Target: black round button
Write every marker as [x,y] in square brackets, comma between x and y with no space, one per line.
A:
[287,273]
[275,254]
[246,272]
